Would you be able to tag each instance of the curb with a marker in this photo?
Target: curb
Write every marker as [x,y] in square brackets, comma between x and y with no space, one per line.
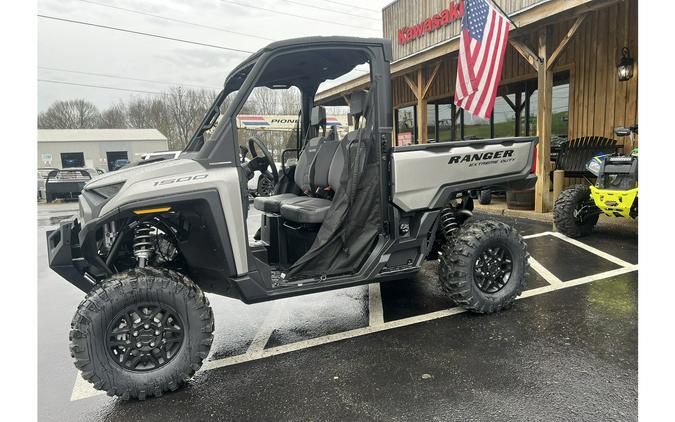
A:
[530,215]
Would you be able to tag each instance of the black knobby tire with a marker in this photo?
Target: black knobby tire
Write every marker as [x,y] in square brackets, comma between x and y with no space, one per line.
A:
[49,198]
[564,212]
[485,197]
[95,315]
[462,253]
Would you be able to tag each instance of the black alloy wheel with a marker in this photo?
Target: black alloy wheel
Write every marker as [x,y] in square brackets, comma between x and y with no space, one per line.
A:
[144,337]
[492,268]
[483,266]
[141,333]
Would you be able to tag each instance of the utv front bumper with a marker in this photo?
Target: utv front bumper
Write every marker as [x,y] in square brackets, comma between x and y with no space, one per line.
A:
[65,259]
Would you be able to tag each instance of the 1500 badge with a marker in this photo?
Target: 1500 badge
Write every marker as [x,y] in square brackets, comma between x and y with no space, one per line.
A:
[180,179]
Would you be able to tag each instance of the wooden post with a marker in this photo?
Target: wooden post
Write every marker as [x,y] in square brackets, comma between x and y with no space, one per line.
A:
[542,196]
[421,108]
[558,183]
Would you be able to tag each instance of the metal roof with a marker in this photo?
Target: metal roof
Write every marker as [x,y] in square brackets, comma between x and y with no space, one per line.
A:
[99,135]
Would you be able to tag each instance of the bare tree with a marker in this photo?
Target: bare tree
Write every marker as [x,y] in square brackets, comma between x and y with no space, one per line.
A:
[137,113]
[290,101]
[114,117]
[186,109]
[71,114]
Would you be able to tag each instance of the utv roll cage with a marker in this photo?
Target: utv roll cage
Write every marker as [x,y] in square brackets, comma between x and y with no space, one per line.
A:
[302,62]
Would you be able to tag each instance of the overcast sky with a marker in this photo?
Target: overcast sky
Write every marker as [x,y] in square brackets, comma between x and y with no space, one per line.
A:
[75,47]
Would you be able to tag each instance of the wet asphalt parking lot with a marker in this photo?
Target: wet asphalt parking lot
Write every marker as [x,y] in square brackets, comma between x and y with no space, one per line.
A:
[567,350]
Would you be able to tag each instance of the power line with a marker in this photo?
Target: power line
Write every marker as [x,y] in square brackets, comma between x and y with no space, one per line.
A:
[113,28]
[277,12]
[106,75]
[101,86]
[330,10]
[140,12]
[352,5]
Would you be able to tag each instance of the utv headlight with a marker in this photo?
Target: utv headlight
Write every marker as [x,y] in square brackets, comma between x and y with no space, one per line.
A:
[108,191]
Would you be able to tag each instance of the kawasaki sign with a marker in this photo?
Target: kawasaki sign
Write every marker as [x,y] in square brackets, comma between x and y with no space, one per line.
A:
[454,11]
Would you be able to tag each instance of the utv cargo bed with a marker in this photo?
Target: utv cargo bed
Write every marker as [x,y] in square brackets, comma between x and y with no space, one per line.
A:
[444,169]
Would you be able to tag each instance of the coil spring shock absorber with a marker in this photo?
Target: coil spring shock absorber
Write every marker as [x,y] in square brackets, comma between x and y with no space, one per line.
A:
[451,218]
[144,246]
[449,222]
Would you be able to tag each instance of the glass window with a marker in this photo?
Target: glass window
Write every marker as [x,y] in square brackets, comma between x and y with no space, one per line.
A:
[532,118]
[504,117]
[405,126]
[560,109]
[475,127]
[72,159]
[431,122]
[448,123]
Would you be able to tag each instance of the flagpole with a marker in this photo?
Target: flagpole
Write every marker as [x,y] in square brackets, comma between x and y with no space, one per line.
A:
[494,3]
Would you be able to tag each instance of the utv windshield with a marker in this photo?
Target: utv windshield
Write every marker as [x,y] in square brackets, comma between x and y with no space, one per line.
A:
[219,107]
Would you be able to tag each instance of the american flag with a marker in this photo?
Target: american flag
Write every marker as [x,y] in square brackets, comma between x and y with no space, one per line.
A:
[481,54]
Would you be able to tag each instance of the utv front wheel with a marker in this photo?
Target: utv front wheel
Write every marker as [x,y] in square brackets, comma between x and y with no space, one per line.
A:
[141,333]
[483,266]
[575,213]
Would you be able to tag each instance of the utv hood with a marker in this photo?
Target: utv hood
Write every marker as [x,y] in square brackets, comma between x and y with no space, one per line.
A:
[141,172]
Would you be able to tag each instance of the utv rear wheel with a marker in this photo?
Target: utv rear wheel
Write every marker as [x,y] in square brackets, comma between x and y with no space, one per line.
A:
[483,266]
[575,213]
[141,333]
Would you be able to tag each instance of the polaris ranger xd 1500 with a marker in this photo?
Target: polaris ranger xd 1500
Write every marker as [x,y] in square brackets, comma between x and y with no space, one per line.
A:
[150,240]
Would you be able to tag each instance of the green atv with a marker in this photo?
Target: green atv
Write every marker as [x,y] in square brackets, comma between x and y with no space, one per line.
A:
[614,194]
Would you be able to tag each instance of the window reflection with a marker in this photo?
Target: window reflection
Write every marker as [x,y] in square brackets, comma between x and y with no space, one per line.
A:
[405,126]
[514,114]
[475,127]
[504,117]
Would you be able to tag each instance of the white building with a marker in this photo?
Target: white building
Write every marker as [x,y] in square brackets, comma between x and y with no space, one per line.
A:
[95,148]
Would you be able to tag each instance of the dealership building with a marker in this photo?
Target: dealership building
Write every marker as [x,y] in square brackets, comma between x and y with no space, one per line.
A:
[95,148]
[559,79]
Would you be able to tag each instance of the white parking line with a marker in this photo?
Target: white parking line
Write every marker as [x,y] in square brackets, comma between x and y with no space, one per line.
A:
[375,313]
[591,249]
[265,331]
[546,274]
[530,236]
[82,389]
[578,281]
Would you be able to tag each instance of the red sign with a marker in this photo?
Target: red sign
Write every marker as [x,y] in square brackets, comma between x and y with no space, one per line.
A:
[454,11]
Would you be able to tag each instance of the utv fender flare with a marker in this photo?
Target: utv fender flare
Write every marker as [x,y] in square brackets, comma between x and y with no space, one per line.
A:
[207,204]
[73,254]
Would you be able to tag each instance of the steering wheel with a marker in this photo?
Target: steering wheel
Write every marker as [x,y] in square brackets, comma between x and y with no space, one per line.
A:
[261,163]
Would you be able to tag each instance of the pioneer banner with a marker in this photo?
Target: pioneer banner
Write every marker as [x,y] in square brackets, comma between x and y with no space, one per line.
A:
[282,122]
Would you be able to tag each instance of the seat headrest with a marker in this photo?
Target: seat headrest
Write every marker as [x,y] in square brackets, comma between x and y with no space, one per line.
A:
[318,117]
[357,102]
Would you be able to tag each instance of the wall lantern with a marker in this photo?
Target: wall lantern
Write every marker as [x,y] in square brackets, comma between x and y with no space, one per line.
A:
[625,66]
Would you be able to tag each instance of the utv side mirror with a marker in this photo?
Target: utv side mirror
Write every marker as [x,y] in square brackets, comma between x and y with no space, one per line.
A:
[244,152]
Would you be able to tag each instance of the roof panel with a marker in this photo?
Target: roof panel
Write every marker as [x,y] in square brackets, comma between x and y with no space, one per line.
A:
[99,135]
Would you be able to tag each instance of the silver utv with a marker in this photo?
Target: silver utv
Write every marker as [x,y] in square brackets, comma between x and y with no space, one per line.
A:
[150,240]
